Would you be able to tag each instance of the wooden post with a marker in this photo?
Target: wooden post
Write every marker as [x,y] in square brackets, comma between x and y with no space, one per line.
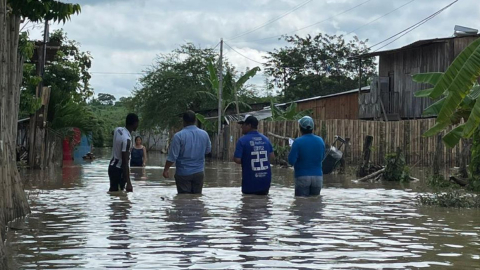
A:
[463,172]
[437,158]
[220,110]
[346,154]
[363,167]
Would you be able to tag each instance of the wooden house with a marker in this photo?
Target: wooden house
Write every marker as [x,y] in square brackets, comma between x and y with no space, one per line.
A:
[392,92]
[343,105]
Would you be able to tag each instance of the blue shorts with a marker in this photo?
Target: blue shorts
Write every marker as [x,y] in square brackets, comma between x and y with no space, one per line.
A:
[308,185]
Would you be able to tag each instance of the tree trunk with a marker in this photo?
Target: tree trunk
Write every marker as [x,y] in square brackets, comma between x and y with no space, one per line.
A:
[13,201]
[437,158]
[463,172]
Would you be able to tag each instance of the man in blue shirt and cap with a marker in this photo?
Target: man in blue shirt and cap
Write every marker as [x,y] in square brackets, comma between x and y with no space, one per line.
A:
[254,151]
[306,156]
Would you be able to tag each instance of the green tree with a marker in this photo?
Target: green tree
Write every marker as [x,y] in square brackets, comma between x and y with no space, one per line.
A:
[458,97]
[14,202]
[317,65]
[106,99]
[68,77]
[173,85]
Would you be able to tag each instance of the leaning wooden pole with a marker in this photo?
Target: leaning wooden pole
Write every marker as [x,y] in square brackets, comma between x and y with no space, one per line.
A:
[363,166]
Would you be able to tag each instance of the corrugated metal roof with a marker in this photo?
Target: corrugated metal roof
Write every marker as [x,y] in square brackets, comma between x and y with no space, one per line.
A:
[260,115]
[365,88]
[415,44]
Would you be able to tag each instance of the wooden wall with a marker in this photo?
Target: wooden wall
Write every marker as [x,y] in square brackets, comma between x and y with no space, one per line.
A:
[336,107]
[399,66]
[407,134]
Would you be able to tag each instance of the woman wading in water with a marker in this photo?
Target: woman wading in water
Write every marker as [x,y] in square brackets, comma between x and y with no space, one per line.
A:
[139,154]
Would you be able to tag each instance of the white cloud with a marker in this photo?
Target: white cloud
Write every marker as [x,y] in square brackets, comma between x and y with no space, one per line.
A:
[124,36]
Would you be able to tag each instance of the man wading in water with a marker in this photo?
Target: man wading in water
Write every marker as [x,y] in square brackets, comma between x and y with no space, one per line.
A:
[188,149]
[119,169]
[254,151]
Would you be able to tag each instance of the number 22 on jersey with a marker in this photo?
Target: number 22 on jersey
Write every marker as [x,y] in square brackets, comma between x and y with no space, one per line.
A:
[259,161]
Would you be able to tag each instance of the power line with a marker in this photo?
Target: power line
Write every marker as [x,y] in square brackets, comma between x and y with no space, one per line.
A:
[411,28]
[384,15]
[117,73]
[270,21]
[317,23]
[243,55]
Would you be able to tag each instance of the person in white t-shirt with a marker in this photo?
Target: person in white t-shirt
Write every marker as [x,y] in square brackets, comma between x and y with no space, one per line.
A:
[119,168]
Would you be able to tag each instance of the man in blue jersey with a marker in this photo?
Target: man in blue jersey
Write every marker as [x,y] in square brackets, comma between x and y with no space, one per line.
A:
[254,151]
[306,156]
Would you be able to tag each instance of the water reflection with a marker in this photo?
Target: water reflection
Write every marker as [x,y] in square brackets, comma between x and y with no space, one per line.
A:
[253,218]
[120,238]
[75,224]
[308,210]
[184,221]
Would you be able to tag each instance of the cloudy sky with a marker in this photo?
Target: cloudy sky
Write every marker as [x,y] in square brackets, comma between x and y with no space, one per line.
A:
[124,36]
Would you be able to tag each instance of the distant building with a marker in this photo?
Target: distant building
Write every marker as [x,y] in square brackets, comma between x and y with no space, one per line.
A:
[394,87]
[343,105]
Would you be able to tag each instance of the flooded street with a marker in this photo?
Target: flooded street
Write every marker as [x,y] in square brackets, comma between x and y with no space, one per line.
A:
[75,224]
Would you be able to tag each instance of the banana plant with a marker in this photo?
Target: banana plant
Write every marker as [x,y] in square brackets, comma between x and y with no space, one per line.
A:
[230,88]
[209,126]
[457,93]
[289,114]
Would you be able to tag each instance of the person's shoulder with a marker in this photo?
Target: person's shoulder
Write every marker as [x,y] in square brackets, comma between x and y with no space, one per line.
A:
[264,137]
[244,138]
[202,131]
[319,139]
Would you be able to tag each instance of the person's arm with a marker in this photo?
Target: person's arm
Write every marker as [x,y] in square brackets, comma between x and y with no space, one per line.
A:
[271,155]
[126,165]
[144,156]
[172,155]
[293,156]
[237,156]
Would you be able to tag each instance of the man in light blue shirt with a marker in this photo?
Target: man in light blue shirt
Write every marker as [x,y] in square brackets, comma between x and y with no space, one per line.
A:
[188,149]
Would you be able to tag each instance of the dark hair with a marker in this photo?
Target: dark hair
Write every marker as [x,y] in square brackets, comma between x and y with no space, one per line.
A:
[138,137]
[252,121]
[189,117]
[131,119]
[306,131]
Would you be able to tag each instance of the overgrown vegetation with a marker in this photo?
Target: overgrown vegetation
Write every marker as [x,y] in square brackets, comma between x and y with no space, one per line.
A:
[281,153]
[395,169]
[455,198]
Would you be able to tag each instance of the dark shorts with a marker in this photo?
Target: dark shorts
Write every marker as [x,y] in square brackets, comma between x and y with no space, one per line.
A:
[117,181]
[308,185]
[190,184]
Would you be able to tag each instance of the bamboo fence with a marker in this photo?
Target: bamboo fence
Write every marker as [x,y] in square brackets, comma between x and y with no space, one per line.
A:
[387,136]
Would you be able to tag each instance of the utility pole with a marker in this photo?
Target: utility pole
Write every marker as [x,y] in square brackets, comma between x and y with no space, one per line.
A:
[37,131]
[220,88]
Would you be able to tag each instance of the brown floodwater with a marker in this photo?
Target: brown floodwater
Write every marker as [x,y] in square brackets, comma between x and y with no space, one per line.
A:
[75,224]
